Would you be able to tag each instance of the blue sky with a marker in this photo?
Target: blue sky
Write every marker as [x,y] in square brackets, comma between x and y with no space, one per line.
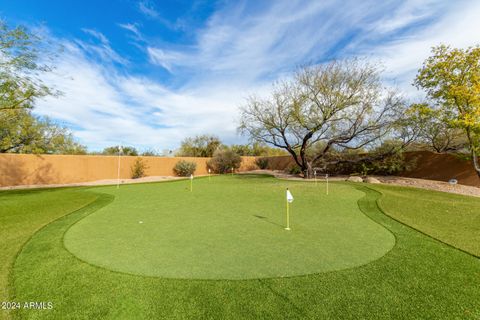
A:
[150,73]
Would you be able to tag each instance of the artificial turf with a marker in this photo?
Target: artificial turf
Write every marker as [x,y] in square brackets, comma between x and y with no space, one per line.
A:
[420,278]
[24,212]
[228,229]
[452,218]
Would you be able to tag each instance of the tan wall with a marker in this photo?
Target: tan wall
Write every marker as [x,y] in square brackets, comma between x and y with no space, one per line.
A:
[442,167]
[27,169]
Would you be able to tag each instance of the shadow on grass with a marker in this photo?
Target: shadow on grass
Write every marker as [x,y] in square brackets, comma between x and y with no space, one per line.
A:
[268,221]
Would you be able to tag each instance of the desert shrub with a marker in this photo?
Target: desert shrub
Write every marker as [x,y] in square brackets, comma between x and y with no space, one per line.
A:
[262,163]
[367,164]
[224,160]
[184,168]
[293,169]
[138,168]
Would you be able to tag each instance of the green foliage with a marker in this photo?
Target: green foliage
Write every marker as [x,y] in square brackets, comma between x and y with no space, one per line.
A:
[184,168]
[386,159]
[21,132]
[294,169]
[224,160]
[451,78]
[138,168]
[434,129]
[262,163]
[199,146]
[150,153]
[20,69]
[257,149]
[114,151]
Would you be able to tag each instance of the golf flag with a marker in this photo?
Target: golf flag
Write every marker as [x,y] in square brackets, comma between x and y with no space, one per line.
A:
[289,196]
[191,177]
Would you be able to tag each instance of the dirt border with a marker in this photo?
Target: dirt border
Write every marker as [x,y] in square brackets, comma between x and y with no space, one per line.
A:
[390,180]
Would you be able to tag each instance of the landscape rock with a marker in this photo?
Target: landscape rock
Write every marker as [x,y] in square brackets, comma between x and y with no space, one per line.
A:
[355,179]
[371,180]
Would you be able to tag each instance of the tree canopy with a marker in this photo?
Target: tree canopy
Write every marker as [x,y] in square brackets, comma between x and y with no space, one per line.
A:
[115,150]
[199,146]
[20,68]
[435,132]
[22,56]
[337,105]
[451,79]
[21,132]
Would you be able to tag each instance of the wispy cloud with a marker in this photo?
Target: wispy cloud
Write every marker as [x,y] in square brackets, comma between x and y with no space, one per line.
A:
[102,50]
[148,9]
[240,50]
[132,27]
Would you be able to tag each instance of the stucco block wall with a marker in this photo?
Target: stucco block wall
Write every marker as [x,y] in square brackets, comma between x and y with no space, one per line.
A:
[28,169]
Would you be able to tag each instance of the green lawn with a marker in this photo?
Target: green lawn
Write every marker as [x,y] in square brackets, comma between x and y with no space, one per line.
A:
[228,230]
[419,278]
[22,213]
[452,218]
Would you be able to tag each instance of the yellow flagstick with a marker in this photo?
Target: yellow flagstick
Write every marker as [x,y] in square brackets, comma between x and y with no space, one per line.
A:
[232,172]
[208,174]
[191,182]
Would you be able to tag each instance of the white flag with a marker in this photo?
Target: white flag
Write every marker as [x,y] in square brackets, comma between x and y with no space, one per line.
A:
[289,196]
[191,177]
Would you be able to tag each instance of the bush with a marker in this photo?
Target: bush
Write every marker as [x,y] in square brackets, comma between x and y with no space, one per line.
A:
[293,169]
[184,168]
[224,160]
[138,169]
[262,163]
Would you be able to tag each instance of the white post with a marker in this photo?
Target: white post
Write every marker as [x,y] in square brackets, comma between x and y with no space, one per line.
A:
[326,177]
[315,176]
[120,151]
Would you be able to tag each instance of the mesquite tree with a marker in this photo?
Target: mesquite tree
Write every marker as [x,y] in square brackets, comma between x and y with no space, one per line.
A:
[338,105]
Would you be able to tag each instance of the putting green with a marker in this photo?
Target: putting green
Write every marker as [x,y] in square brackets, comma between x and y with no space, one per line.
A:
[228,228]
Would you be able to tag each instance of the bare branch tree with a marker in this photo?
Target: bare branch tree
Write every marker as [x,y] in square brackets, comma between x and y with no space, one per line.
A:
[341,104]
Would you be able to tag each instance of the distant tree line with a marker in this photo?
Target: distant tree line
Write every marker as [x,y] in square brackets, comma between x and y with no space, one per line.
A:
[206,145]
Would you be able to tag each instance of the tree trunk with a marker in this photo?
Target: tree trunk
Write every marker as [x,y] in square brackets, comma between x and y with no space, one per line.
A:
[476,163]
[309,170]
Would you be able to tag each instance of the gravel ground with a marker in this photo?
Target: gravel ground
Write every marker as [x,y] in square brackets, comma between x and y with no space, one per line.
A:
[399,181]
